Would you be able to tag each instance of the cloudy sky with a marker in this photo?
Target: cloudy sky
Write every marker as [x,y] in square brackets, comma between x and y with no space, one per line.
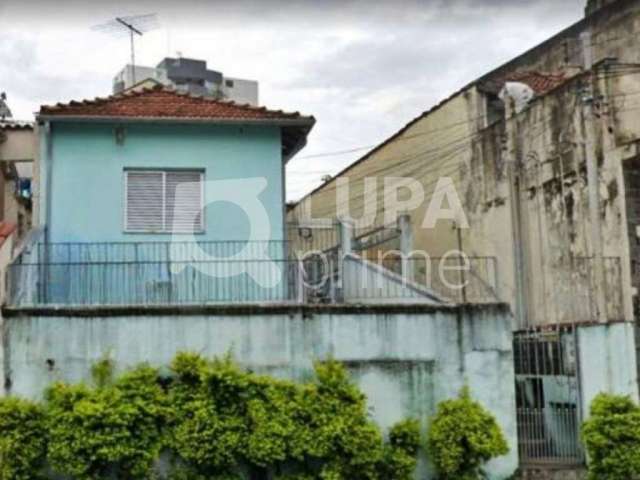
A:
[362,68]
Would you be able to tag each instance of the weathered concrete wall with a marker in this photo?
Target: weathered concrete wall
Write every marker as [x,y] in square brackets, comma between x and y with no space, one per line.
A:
[18,145]
[405,358]
[523,180]
[543,169]
[607,361]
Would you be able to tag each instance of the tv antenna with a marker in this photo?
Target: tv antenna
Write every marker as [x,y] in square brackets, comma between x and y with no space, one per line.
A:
[131,25]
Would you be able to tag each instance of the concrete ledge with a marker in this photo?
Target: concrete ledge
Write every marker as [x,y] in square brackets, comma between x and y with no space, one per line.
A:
[245,309]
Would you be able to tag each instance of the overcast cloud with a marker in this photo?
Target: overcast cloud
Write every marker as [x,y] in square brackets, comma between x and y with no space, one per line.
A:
[362,68]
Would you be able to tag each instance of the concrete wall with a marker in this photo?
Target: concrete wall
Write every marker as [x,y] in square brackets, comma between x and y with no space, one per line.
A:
[87,175]
[18,145]
[405,358]
[537,198]
[607,356]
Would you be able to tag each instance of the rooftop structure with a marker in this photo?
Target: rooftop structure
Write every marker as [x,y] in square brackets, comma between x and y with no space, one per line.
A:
[190,76]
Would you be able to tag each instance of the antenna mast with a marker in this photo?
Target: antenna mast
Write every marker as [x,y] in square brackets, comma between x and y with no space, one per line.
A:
[131,25]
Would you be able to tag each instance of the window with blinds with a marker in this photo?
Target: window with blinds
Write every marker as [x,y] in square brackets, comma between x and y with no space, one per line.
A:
[163,201]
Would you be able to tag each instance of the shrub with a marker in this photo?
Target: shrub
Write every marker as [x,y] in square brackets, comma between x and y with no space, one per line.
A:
[463,436]
[612,438]
[400,454]
[113,429]
[23,439]
[213,419]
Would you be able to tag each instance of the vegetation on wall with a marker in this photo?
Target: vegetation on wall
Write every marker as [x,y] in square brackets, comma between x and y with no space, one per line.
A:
[212,420]
[22,440]
[612,438]
[463,437]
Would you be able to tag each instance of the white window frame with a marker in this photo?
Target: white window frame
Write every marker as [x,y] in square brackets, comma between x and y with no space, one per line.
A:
[165,230]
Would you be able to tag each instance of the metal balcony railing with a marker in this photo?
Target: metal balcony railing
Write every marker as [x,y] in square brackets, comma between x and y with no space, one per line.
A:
[147,273]
[174,273]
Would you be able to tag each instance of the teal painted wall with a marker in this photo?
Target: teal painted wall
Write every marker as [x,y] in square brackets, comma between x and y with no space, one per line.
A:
[87,175]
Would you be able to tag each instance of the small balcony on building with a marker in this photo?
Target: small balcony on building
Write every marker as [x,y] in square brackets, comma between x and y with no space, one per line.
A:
[331,264]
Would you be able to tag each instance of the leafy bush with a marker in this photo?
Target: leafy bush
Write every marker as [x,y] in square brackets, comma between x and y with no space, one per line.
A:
[23,439]
[114,429]
[400,454]
[226,418]
[612,438]
[213,419]
[463,437]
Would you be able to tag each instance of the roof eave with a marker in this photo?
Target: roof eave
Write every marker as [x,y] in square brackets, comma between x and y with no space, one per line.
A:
[282,122]
[301,142]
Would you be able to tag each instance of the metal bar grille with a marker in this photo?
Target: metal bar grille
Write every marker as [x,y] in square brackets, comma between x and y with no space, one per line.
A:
[548,396]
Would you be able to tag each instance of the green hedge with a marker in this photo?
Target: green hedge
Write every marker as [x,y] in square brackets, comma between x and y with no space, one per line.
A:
[215,421]
[612,438]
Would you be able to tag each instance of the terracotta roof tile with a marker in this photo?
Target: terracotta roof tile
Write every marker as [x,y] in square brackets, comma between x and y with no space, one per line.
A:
[10,124]
[162,102]
[540,83]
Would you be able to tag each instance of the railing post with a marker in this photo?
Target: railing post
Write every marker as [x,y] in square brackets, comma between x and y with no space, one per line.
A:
[406,246]
[301,293]
[346,236]
[346,248]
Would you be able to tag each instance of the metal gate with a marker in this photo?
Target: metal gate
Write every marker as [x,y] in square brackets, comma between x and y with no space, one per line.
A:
[548,396]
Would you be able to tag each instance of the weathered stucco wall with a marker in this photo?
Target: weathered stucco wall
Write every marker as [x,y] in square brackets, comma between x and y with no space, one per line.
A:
[523,186]
[432,146]
[523,181]
[607,361]
[542,168]
[406,359]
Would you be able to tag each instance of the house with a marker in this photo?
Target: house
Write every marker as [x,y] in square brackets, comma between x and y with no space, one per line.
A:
[543,156]
[18,152]
[161,229]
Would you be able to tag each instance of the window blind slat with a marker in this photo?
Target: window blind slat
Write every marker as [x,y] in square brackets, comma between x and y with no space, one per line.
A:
[144,201]
[164,201]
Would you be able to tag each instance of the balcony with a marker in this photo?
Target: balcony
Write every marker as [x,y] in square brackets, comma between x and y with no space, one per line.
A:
[174,273]
[151,273]
[331,264]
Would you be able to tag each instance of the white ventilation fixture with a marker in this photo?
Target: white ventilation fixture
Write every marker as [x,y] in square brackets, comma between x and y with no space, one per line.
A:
[163,201]
[520,93]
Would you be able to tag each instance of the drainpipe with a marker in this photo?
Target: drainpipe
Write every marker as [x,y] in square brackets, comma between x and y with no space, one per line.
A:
[48,155]
[588,118]
[514,178]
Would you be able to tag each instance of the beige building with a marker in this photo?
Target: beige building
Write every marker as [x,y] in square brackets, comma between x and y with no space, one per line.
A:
[522,178]
[544,156]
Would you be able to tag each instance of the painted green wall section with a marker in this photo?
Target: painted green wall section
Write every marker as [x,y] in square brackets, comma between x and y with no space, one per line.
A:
[87,175]
[405,362]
